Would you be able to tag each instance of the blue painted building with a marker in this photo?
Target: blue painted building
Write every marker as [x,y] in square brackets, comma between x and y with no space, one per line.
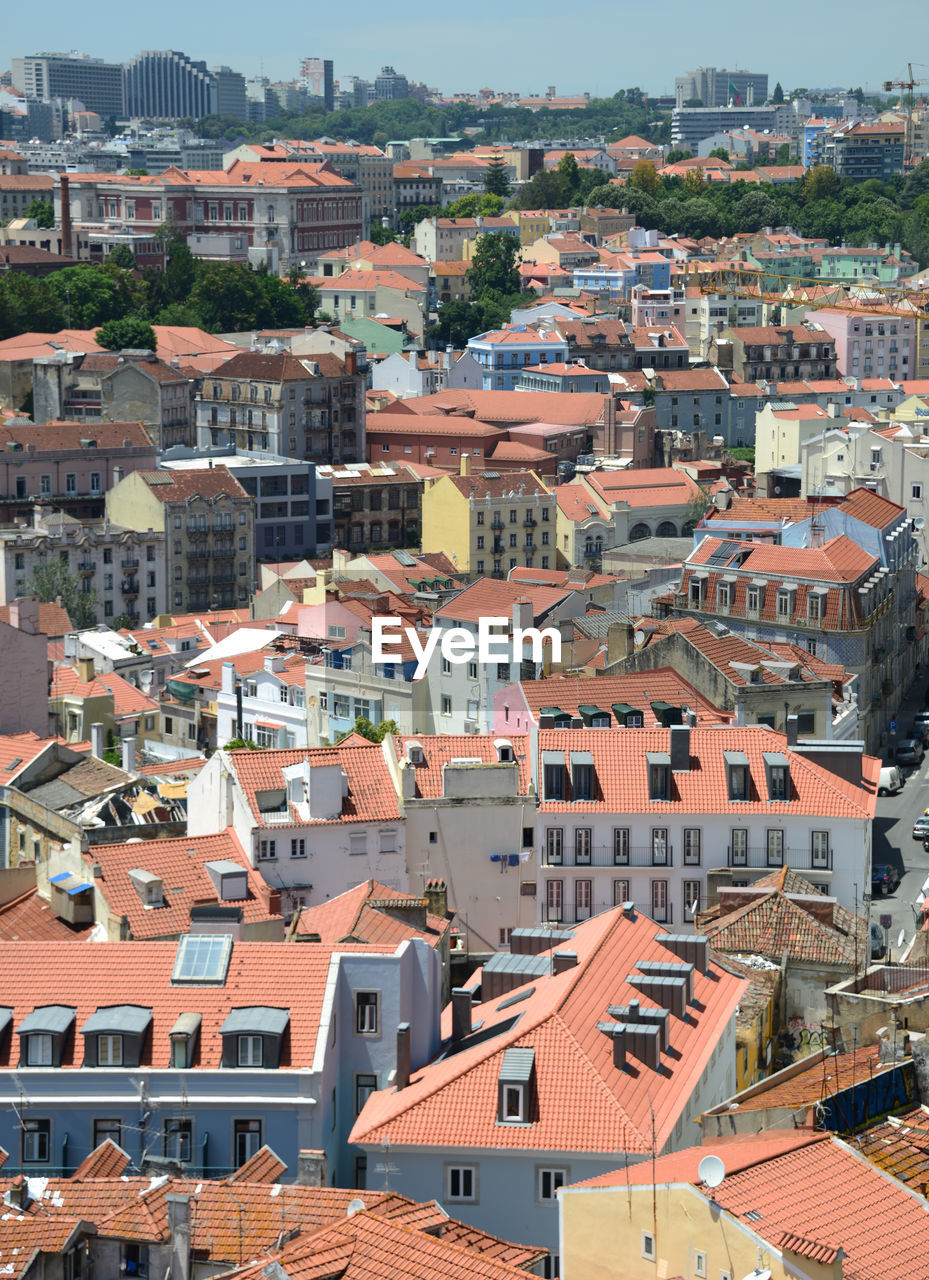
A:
[191,1055]
[504,353]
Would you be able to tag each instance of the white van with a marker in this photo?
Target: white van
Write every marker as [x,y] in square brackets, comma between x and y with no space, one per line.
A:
[890,781]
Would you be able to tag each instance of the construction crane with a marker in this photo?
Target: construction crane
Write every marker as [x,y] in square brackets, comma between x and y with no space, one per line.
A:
[907,85]
[761,285]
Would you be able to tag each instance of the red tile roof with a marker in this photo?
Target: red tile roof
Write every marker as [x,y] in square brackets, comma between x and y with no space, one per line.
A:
[638,689]
[180,486]
[65,437]
[649,487]
[440,748]
[738,1154]
[584,1102]
[492,597]
[31,918]
[871,508]
[17,750]
[106,1161]
[127,699]
[371,796]
[181,864]
[622,774]
[804,1084]
[53,619]
[372,912]
[583,409]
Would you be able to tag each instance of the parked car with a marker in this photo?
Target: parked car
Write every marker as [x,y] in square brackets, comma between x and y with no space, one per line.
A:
[909,751]
[889,781]
[921,826]
[884,879]
[877,942]
[920,732]
[922,717]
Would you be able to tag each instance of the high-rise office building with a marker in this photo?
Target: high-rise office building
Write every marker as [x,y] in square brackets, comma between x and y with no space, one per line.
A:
[389,84]
[230,93]
[316,77]
[166,85]
[97,84]
[717,87]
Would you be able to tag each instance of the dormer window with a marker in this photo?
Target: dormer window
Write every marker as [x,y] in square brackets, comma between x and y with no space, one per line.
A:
[504,751]
[514,1086]
[42,1035]
[582,775]
[737,774]
[253,1036]
[184,1035]
[659,775]
[115,1036]
[777,770]
[553,775]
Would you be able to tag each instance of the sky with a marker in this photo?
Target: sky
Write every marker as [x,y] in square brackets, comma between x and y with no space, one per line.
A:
[525,47]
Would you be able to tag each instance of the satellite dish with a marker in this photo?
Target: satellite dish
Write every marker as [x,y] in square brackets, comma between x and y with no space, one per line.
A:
[711,1171]
[355,1206]
[639,639]
[900,937]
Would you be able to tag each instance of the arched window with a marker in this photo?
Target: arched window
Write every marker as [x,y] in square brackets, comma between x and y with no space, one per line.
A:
[639,531]
[667,529]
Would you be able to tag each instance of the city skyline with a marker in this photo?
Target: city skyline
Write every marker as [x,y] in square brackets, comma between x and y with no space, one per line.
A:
[420,50]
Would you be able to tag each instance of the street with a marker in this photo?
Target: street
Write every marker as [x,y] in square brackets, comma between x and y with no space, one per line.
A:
[893,841]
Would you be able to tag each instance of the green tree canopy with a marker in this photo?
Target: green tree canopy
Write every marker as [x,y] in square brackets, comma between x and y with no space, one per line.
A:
[496,180]
[122,256]
[91,295]
[777,96]
[43,211]
[55,582]
[130,332]
[493,268]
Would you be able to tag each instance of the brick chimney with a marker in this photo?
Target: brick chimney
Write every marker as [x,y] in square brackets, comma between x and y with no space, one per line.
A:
[67,236]
[312,1169]
[464,467]
[85,669]
[436,895]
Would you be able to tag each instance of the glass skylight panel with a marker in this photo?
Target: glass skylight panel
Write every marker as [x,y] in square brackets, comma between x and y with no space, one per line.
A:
[202,959]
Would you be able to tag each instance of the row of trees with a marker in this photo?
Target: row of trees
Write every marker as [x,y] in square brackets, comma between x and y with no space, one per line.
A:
[218,297]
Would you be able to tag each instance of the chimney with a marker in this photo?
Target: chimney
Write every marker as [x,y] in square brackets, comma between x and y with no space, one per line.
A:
[680,748]
[522,613]
[619,1047]
[128,745]
[312,1169]
[402,1073]
[562,961]
[271,898]
[67,238]
[117,474]
[792,722]
[85,669]
[24,614]
[178,1208]
[461,1014]
[96,740]
[618,642]
[464,467]
[436,895]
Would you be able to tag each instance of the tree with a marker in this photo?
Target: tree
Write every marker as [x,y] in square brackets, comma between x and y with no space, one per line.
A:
[229,298]
[493,268]
[693,182]
[676,156]
[90,294]
[606,196]
[821,183]
[692,102]
[130,332]
[373,732]
[43,211]
[644,177]
[783,154]
[122,256]
[569,174]
[496,179]
[54,582]
[123,622]
[777,97]
[719,153]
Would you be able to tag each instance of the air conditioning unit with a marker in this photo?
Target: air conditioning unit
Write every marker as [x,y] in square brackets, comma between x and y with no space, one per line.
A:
[471,726]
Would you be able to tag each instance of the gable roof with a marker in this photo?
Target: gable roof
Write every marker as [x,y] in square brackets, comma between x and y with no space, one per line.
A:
[182,485]
[439,749]
[375,913]
[638,689]
[371,795]
[583,1101]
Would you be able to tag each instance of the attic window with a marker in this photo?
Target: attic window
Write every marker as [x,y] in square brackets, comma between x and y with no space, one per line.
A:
[504,751]
[42,1035]
[582,775]
[785,601]
[414,753]
[777,769]
[252,1037]
[513,1086]
[659,775]
[737,774]
[553,772]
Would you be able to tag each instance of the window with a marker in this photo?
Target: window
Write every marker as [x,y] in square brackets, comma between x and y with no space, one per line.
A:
[648,1245]
[461,1183]
[39,1051]
[658,781]
[582,899]
[36,1141]
[620,892]
[659,846]
[71,482]
[387,841]
[775,847]
[620,846]
[754,598]
[738,847]
[366,1013]
[95,482]
[582,782]
[446,705]
[246,1137]
[177,1139]
[699,1263]
[298,848]
[778,782]
[358,843]
[267,849]
[547,1182]
[660,912]
[249,1051]
[514,1095]
[554,782]
[554,898]
[692,846]
[107,1130]
[109,1051]
[693,893]
[582,845]
[819,848]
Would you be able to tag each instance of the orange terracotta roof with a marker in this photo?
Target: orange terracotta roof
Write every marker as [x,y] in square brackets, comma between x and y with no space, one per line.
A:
[871,508]
[106,1161]
[648,487]
[638,689]
[440,749]
[371,794]
[738,1154]
[180,486]
[181,864]
[583,1102]
[372,912]
[804,1084]
[31,917]
[17,750]
[490,597]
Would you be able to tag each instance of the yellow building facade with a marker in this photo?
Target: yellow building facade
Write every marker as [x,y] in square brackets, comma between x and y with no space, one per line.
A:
[489,524]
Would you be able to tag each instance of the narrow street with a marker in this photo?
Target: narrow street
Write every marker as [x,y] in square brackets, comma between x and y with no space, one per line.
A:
[893,841]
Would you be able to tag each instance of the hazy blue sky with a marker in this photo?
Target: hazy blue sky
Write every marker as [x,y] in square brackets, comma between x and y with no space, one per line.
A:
[525,46]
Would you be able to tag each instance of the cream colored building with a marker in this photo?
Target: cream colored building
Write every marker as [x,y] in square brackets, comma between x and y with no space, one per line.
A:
[208,522]
[490,523]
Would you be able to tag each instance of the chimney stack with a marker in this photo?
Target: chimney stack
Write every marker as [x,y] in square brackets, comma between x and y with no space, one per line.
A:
[402,1073]
[461,1014]
[464,467]
[312,1169]
[178,1210]
[792,723]
[85,669]
[562,961]
[96,740]
[619,1047]
[128,745]
[67,237]
[435,893]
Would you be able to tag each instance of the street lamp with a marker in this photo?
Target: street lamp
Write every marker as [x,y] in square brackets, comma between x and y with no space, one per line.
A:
[68,296]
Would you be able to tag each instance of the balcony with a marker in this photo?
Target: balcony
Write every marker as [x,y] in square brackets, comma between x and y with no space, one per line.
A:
[760,857]
[530,521]
[130,564]
[194,531]
[496,523]
[87,566]
[199,553]
[571,913]
[223,553]
[605,856]
[224,576]
[129,587]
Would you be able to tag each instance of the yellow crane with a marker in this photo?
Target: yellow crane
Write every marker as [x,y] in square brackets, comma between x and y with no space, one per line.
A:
[907,86]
